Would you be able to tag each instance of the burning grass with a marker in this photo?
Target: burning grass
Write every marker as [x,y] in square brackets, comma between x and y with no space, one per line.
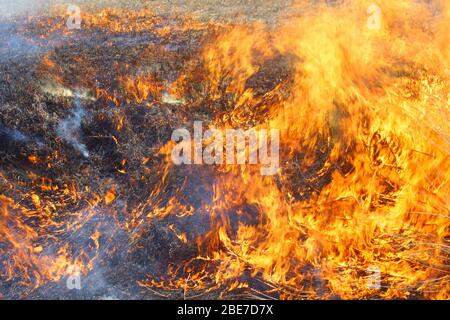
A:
[86,177]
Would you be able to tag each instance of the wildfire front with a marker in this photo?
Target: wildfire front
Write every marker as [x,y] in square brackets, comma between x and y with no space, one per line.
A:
[320,171]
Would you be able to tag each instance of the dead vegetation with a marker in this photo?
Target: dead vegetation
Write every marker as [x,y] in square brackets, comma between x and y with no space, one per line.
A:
[85,179]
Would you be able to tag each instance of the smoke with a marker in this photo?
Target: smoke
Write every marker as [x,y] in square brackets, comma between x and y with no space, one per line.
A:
[69,129]
[15,47]
[10,8]
[13,134]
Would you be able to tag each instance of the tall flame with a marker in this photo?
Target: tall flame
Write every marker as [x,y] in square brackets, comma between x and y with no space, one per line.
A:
[363,184]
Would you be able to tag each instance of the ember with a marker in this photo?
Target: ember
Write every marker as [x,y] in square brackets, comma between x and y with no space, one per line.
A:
[92,205]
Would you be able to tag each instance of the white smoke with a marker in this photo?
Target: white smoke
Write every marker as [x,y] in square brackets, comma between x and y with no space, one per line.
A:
[69,129]
[10,8]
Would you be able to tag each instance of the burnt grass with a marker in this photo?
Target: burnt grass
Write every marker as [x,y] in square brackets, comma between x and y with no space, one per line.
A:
[33,104]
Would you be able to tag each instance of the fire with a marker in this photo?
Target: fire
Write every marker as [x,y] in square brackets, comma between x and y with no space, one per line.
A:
[141,89]
[110,196]
[33,158]
[363,185]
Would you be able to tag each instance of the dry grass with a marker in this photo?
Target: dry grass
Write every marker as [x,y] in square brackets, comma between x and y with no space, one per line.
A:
[268,11]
